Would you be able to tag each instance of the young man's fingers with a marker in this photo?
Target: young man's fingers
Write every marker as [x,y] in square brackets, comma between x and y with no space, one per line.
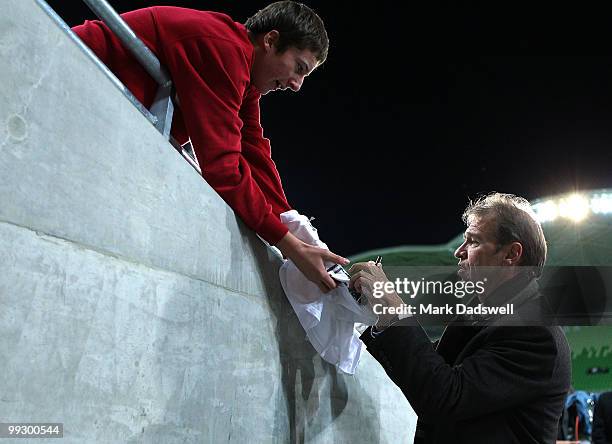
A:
[336,258]
[328,282]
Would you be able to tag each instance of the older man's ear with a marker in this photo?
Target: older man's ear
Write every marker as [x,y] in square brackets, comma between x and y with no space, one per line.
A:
[514,254]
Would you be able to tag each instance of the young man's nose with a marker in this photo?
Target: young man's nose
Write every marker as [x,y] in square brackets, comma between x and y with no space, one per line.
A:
[296,83]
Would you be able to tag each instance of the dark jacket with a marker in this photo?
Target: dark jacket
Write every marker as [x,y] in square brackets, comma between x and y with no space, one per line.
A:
[488,383]
[602,420]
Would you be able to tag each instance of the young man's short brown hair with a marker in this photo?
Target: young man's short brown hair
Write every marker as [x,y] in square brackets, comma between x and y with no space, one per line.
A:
[298,26]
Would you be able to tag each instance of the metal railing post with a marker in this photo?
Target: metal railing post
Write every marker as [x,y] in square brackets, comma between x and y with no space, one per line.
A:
[162,107]
[83,47]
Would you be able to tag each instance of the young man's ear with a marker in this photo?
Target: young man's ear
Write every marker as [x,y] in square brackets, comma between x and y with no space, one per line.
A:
[271,39]
[514,254]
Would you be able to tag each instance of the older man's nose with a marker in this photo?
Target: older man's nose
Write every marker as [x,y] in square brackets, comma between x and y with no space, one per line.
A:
[460,252]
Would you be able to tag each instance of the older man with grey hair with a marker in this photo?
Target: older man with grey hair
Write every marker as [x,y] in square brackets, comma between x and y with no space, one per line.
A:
[487,382]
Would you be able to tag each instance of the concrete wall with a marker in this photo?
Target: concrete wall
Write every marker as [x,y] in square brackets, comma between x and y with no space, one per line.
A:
[134,306]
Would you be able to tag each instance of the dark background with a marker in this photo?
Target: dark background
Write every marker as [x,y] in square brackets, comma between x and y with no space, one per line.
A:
[388,140]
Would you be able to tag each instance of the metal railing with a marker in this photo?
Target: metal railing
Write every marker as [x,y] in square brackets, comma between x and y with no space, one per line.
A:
[162,106]
[161,111]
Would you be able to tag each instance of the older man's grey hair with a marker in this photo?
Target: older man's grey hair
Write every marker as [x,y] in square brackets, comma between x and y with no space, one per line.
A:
[515,222]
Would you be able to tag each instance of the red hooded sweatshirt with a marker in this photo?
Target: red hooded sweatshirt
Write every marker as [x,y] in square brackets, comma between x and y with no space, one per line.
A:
[209,58]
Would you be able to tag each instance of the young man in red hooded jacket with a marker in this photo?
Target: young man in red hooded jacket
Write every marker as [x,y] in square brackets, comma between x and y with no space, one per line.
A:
[220,69]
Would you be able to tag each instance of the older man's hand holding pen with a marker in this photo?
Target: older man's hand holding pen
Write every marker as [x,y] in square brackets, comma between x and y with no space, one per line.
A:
[364,275]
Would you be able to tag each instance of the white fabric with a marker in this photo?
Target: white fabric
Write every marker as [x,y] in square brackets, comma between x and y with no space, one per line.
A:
[329,321]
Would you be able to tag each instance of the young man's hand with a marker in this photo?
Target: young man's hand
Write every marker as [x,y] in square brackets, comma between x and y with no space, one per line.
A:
[310,260]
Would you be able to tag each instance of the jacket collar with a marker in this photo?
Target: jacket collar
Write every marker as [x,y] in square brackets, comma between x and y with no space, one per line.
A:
[517,291]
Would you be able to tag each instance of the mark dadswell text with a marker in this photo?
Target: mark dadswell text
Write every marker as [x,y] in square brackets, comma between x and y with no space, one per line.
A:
[447,309]
[463,309]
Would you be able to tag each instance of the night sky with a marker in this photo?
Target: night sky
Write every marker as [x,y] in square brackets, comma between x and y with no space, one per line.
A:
[387,140]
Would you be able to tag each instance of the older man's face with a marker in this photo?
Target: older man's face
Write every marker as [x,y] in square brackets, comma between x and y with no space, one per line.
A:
[479,248]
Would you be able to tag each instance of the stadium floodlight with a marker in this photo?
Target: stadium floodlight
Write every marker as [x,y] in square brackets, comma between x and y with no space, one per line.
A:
[546,211]
[574,207]
[601,203]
